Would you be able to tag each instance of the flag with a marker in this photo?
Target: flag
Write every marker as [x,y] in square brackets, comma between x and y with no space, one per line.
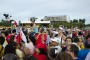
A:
[15,23]
[18,38]
[23,36]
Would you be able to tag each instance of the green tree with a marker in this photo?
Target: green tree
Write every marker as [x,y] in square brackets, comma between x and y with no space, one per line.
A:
[5,23]
[82,21]
[33,19]
[75,21]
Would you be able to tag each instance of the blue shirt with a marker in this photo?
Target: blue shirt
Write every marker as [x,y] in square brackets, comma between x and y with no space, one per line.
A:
[83,53]
[36,30]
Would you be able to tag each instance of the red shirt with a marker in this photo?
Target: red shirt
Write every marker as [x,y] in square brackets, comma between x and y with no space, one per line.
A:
[74,34]
[8,38]
[40,56]
[39,39]
[39,43]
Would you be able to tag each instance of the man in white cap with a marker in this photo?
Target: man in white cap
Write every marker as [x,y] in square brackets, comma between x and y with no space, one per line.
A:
[54,49]
[55,44]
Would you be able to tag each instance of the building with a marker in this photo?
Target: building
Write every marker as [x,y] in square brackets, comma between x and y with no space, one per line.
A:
[29,23]
[56,19]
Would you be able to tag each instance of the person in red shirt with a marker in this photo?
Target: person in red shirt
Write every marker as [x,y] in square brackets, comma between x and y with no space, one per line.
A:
[12,34]
[40,51]
[74,34]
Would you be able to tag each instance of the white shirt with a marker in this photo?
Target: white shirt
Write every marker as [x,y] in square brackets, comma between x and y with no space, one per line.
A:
[59,49]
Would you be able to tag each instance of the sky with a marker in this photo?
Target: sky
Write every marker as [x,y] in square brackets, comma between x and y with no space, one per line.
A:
[23,9]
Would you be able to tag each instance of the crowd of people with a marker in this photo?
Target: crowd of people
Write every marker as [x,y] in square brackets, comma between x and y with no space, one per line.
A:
[44,44]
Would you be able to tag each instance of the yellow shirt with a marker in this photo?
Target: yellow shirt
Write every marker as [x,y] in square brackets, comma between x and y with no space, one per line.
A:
[1,51]
[81,46]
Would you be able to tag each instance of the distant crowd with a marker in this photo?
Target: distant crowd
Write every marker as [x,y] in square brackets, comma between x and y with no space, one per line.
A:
[44,43]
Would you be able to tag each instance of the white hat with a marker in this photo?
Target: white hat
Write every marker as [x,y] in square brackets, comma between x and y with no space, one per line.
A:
[55,39]
[61,28]
[55,32]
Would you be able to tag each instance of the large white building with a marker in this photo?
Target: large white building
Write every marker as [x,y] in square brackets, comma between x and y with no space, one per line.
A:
[56,18]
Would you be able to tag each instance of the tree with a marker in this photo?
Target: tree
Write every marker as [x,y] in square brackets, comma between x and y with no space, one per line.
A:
[6,23]
[42,20]
[75,21]
[32,19]
[56,25]
[6,15]
[82,21]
